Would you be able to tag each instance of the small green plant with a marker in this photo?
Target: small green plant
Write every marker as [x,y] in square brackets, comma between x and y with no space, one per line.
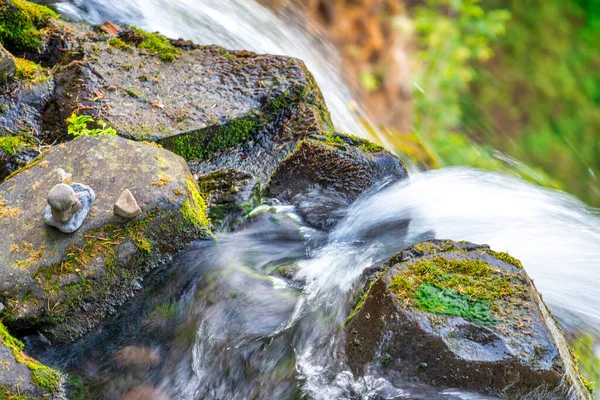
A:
[78,126]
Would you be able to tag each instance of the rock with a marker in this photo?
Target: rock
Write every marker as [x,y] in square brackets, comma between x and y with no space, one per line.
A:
[7,66]
[64,285]
[487,330]
[231,194]
[221,109]
[126,206]
[68,205]
[22,376]
[110,28]
[322,177]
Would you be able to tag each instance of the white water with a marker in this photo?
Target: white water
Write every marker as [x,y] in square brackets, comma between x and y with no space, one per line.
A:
[556,236]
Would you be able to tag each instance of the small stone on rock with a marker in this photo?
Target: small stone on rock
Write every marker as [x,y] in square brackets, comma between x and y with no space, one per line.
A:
[126,206]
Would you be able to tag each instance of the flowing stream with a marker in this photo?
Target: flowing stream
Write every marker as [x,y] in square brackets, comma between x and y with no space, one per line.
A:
[245,331]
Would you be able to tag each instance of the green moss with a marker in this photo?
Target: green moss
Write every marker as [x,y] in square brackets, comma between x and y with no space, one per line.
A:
[41,376]
[226,54]
[212,141]
[447,302]
[118,43]
[337,140]
[32,164]
[360,304]
[365,145]
[11,145]
[29,71]
[7,394]
[168,311]
[454,281]
[133,93]
[334,139]
[157,44]
[75,388]
[194,207]
[22,25]
[507,258]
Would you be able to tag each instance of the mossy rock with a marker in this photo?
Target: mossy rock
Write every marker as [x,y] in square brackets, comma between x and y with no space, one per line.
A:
[198,101]
[65,284]
[457,314]
[22,377]
[230,194]
[325,174]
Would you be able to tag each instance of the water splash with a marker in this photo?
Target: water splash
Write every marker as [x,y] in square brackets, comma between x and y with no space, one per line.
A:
[556,236]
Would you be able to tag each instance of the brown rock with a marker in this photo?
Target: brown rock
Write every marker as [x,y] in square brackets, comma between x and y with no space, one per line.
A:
[126,206]
[110,28]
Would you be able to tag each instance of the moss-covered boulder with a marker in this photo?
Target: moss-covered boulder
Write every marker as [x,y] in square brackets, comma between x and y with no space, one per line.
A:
[22,377]
[326,174]
[65,284]
[461,315]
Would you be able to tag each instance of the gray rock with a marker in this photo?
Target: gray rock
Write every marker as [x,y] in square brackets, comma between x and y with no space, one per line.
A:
[323,176]
[67,210]
[126,206]
[457,314]
[86,273]
[16,377]
[7,66]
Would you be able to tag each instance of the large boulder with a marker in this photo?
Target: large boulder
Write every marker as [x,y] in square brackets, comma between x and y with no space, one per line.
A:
[461,315]
[220,108]
[324,175]
[64,284]
[22,377]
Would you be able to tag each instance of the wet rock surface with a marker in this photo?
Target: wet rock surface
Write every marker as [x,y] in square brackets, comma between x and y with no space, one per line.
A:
[7,66]
[230,193]
[64,284]
[458,314]
[323,176]
[21,375]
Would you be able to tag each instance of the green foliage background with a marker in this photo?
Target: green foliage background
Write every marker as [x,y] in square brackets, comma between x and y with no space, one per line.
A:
[522,77]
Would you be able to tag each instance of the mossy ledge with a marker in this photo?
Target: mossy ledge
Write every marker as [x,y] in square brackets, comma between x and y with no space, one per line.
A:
[154,43]
[213,140]
[42,376]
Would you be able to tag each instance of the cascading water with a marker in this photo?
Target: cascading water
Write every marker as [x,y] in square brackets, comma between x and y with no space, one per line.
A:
[243,331]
